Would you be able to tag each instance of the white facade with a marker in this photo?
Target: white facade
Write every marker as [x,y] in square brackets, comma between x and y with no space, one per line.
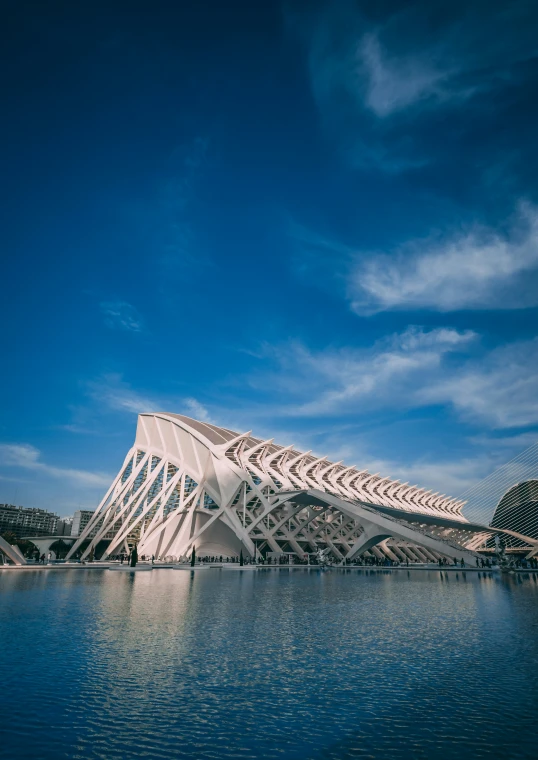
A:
[80,519]
[187,483]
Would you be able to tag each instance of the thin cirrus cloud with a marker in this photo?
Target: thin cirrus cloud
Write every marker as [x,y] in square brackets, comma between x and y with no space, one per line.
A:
[498,389]
[111,391]
[400,61]
[195,409]
[415,369]
[389,91]
[346,55]
[393,84]
[27,457]
[120,315]
[336,381]
[479,268]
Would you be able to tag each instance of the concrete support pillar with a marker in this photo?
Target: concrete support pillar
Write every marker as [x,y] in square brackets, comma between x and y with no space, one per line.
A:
[429,554]
[386,549]
[409,553]
[421,554]
[399,553]
[368,539]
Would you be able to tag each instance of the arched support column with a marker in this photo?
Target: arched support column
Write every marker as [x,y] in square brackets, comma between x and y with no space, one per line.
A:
[378,527]
[367,540]
[389,551]
[44,543]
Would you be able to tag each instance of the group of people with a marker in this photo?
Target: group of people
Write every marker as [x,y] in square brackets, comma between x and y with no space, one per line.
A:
[443,561]
[380,562]
[527,564]
[361,561]
[41,558]
[386,562]
[523,563]
[126,557]
[373,562]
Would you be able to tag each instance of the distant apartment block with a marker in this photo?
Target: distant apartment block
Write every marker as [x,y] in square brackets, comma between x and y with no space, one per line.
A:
[27,521]
[64,526]
[81,518]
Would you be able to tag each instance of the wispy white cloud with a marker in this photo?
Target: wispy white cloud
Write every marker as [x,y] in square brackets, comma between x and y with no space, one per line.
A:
[395,63]
[196,410]
[498,389]
[444,367]
[393,84]
[480,268]
[120,315]
[111,391]
[332,381]
[27,457]
[381,78]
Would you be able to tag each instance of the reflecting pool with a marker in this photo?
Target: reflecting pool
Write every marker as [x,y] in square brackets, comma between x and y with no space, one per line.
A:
[268,664]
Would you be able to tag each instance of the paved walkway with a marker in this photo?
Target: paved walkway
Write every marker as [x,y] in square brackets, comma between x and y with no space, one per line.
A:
[237,566]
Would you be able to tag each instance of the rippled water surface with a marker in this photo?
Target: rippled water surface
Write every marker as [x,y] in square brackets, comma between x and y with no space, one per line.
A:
[267,664]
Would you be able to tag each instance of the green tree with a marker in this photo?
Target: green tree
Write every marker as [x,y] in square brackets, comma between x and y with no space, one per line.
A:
[134,556]
[10,537]
[27,547]
[193,557]
[241,562]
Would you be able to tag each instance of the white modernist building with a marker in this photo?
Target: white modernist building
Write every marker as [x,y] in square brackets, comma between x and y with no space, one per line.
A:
[187,483]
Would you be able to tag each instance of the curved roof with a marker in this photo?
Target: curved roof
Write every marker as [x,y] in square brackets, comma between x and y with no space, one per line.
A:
[277,458]
[215,435]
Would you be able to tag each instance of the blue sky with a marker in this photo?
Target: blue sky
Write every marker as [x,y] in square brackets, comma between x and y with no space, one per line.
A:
[313,220]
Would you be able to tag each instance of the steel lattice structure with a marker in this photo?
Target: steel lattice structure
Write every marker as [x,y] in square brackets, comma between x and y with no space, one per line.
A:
[187,483]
